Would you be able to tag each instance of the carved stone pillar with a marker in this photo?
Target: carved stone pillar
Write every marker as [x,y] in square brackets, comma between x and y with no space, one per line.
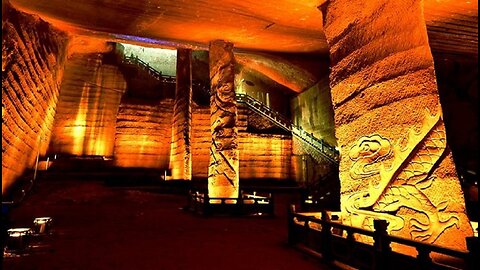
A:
[181,157]
[223,168]
[395,162]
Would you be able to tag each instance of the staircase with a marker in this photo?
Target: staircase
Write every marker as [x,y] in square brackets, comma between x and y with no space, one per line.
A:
[317,148]
[129,60]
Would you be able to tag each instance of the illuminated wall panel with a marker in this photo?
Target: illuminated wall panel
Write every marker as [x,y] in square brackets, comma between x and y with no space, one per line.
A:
[143,133]
[87,109]
[395,161]
[33,56]
[201,140]
[312,110]
[265,156]
[181,156]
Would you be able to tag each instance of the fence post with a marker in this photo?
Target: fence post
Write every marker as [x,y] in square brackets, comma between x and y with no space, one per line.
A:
[472,246]
[240,209]
[381,244]
[292,236]
[326,237]
[423,258]
[206,204]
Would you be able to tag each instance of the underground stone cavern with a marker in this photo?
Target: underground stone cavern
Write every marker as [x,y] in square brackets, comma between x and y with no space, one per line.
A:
[351,124]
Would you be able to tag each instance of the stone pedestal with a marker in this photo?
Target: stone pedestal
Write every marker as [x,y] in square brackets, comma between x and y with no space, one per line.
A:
[395,161]
[181,157]
[223,167]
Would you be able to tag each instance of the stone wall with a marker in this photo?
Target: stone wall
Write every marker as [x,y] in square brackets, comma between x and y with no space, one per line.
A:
[87,110]
[312,110]
[265,156]
[143,133]
[200,141]
[33,57]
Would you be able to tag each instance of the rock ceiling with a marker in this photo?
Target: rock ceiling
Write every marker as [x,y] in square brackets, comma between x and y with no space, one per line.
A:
[280,26]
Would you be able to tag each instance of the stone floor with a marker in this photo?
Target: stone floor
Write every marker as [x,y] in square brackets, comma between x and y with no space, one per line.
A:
[101,227]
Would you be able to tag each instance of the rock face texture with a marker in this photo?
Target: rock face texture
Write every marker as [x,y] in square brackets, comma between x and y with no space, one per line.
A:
[143,133]
[33,57]
[201,141]
[265,156]
[87,110]
[181,157]
[395,161]
[223,167]
[312,110]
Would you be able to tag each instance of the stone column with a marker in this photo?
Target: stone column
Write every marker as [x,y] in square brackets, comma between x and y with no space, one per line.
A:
[181,157]
[395,163]
[223,167]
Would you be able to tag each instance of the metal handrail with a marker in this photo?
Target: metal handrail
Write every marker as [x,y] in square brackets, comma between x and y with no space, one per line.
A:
[155,73]
[325,149]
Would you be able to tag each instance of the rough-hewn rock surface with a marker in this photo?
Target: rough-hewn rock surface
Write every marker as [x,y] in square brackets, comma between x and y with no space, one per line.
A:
[143,133]
[265,156]
[33,56]
[201,141]
[181,156]
[87,110]
[395,162]
[312,110]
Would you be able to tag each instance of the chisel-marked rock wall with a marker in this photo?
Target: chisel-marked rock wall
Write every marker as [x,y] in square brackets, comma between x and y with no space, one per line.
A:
[143,133]
[33,56]
[87,110]
[395,161]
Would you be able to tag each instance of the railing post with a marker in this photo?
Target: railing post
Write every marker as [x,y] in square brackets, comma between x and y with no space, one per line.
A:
[206,204]
[239,204]
[381,244]
[326,237]
[423,258]
[472,246]
[351,244]
[292,235]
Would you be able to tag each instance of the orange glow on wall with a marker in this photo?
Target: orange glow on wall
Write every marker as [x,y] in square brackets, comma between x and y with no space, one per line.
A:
[143,134]
[79,126]
[88,104]
[265,156]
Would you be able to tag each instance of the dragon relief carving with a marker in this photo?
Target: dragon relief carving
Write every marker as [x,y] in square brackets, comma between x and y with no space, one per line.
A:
[401,183]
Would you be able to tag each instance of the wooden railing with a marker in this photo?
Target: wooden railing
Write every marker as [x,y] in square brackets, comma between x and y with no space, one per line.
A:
[335,243]
[245,204]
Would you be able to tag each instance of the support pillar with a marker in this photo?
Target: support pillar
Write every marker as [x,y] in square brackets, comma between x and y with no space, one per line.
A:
[181,157]
[395,162]
[223,168]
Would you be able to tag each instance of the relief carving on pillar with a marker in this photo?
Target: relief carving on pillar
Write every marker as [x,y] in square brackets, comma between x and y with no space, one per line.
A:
[223,168]
[397,178]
